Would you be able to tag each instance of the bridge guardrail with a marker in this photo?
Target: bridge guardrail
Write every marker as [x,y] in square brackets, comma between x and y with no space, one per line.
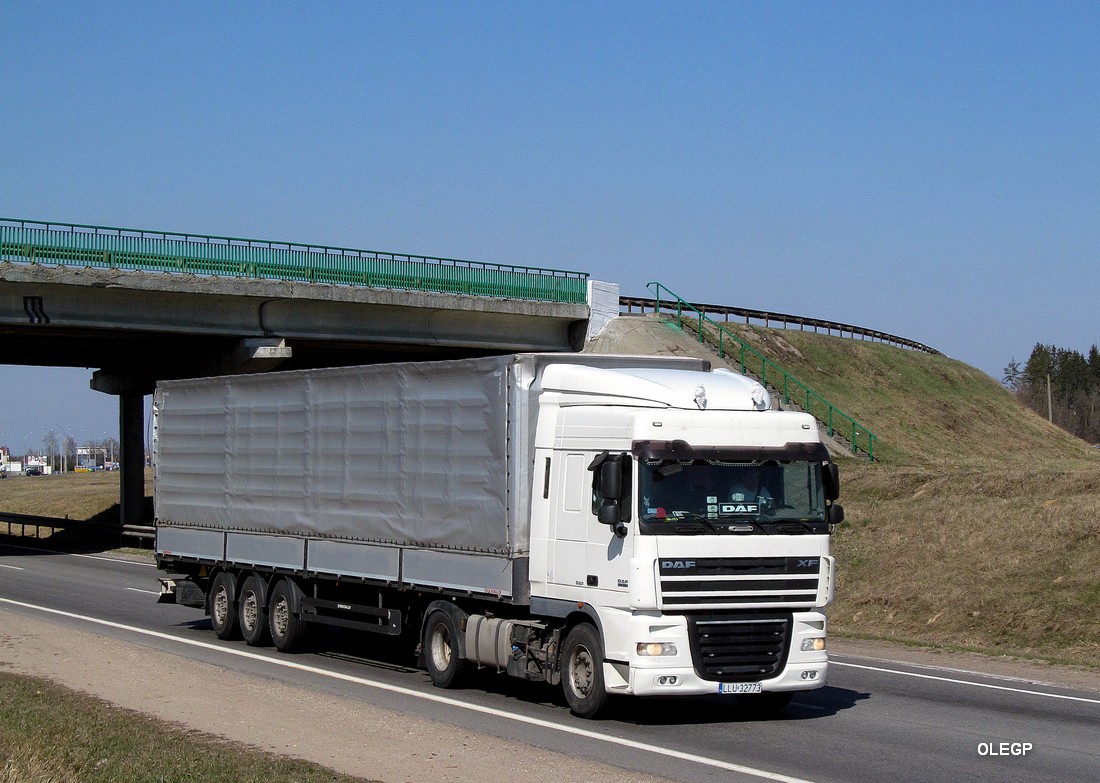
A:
[40,242]
[785,320]
[753,362]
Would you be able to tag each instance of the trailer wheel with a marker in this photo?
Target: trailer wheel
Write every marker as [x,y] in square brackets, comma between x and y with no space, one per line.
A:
[582,671]
[252,610]
[221,605]
[284,616]
[445,666]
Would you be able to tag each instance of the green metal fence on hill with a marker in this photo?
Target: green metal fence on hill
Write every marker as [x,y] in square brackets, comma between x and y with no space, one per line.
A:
[40,242]
[730,346]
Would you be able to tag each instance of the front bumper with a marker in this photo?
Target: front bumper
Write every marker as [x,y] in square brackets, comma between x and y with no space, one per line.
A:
[677,675]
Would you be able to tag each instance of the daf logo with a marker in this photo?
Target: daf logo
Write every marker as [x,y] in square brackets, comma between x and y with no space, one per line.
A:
[810,563]
[740,508]
[677,564]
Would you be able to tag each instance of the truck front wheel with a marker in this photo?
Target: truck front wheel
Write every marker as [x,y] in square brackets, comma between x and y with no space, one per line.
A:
[582,671]
[441,651]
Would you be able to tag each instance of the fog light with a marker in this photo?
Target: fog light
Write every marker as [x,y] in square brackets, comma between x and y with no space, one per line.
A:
[667,679]
[653,649]
[815,644]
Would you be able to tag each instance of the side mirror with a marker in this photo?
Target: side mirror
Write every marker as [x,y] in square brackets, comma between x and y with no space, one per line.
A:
[611,479]
[611,490]
[609,513]
[834,514]
[830,476]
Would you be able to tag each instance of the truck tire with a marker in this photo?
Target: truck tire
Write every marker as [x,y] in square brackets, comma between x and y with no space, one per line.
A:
[252,610]
[284,616]
[221,605]
[582,671]
[445,665]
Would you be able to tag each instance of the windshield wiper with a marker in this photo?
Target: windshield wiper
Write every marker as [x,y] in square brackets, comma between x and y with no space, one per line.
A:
[804,524]
[682,523]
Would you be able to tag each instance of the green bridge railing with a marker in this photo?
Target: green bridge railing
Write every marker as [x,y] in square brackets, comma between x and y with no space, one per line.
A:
[39,242]
[753,362]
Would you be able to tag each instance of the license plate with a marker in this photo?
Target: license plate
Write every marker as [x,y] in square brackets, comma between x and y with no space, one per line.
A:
[739,687]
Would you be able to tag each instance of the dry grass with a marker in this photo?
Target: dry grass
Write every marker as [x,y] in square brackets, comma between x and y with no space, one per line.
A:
[923,409]
[997,560]
[49,734]
[82,496]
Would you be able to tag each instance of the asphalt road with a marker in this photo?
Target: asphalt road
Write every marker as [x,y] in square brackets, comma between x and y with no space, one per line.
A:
[876,720]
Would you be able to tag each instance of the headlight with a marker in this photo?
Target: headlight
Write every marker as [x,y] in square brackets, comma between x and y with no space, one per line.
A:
[815,644]
[653,649]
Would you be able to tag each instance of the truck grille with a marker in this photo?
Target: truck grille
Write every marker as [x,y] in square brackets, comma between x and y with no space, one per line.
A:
[739,648]
[739,583]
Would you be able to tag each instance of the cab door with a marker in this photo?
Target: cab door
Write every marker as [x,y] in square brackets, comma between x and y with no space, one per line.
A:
[608,562]
[569,529]
[608,553]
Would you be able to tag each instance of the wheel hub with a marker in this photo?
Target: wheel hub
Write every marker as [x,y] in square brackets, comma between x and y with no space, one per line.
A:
[441,648]
[581,672]
[251,611]
[221,607]
[281,616]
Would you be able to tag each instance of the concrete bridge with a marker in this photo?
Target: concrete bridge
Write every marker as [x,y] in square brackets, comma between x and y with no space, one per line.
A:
[140,306]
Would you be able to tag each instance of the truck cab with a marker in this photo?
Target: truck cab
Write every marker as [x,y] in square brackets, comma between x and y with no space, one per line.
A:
[688,522]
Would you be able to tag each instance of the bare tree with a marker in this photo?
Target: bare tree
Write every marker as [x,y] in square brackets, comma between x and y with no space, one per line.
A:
[50,447]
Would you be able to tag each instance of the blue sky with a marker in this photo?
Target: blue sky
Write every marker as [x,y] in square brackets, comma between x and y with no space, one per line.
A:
[927,169]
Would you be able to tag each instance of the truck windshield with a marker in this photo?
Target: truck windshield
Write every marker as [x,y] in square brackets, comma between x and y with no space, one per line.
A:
[689,497]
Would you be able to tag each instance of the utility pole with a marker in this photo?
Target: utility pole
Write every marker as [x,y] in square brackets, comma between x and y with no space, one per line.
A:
[1050,407]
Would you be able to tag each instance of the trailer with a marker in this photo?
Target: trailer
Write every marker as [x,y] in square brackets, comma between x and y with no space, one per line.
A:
[576,519]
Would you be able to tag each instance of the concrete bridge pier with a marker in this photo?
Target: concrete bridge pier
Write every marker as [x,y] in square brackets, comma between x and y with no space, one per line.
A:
[131,391]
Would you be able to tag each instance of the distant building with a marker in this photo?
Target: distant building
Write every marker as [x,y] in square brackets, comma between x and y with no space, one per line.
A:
[37,466]
[91,458]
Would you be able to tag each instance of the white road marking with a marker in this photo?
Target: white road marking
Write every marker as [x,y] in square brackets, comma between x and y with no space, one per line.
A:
[545,724]
[13,568]
[77,554]
[147,592]
[954,681]
[112,559]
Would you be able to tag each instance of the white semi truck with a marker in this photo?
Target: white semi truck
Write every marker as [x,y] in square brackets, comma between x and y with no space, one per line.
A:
[613,524]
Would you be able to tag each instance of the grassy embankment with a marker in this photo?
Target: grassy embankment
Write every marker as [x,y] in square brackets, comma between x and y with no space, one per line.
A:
[49,734]
[979,526]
